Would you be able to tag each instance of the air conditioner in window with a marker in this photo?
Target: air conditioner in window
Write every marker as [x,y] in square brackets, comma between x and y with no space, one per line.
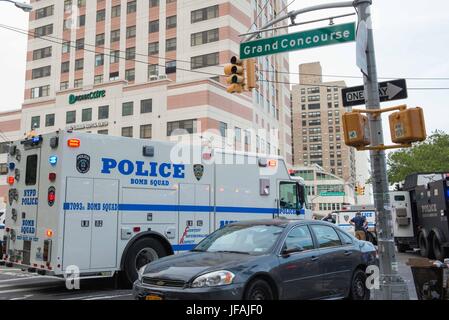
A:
[163,77]
[153,78]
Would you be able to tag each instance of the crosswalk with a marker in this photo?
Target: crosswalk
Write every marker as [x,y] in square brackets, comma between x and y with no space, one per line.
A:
[16,284]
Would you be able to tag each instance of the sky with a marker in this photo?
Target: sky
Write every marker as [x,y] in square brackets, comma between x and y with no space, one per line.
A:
[411,40]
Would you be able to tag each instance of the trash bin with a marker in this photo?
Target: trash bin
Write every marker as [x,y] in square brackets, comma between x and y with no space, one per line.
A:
[431,282]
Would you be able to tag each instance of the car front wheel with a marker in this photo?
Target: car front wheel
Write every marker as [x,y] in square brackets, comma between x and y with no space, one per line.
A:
[259,290]
[359,291]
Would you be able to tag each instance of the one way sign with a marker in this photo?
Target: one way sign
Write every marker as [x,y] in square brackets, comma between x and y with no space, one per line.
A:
[388,91]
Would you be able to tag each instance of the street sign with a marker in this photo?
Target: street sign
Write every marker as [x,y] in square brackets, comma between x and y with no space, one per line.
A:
[297,41]
[388,91]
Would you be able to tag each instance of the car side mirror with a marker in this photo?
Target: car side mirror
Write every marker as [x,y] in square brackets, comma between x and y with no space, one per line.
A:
[287,252]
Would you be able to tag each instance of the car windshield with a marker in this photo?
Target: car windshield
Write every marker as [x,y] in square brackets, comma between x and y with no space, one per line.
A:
[244,239]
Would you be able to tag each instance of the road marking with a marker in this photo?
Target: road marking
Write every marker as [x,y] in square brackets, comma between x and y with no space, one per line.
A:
[19,279]
[24,289]
[23,298]
[110,297]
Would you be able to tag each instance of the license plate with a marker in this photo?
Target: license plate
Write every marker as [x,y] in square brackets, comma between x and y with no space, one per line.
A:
[153,297]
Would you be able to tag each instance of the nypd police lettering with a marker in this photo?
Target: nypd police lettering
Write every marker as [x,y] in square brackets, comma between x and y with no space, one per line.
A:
[29,197]
[142,169]
[27,227]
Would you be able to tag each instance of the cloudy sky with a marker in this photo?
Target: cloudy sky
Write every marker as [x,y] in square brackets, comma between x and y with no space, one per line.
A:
[411,37]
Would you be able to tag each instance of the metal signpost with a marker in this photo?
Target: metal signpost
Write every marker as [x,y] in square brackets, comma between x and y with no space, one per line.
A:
[388,91]
[392,286]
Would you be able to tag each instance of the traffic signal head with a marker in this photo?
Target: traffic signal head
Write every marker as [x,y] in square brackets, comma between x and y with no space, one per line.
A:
[408,126]
[251,74]
[356,129]
[235,75]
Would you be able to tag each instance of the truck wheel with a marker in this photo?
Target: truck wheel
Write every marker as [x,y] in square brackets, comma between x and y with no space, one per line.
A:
[141,253]
[424,246]
[438,250]
[403,247]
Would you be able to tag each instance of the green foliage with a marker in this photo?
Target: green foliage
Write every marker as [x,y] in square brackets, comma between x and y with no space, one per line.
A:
[431,155]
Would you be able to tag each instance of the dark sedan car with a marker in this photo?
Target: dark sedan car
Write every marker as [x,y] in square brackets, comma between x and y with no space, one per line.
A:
[263,260]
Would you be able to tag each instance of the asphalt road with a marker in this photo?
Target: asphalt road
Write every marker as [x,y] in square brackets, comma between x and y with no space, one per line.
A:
[18,285]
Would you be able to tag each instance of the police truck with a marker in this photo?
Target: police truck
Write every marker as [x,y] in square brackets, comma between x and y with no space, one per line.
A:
[106,206]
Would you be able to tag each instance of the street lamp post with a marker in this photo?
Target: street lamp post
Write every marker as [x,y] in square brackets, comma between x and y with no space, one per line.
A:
[21,5]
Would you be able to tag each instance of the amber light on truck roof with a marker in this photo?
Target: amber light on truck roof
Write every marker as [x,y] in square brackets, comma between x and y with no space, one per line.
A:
[74,143]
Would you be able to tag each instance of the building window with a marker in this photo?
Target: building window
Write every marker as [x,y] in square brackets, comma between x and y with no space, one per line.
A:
[114,56]
[66,47]
[170,67]
[114,76]
[145,131]
[206,60]
[154,3]
[35,122]
[3,167]
[130,53]
[41,72]
[82,21]
[79,44]
[86,115]
[115,35]
[43,31]
[188,126]
[127,109]
[203,37]
[98,79]
[204,14]
[101,15]
[78,83]
[153,70]
[70,117]
[130,74]
[103,112]
[105,132]
[131,7]
[99,39]
[223,127]
[131,32]
[153,26]
[153,48]
[99,59]
[64,85]
[170,44]
[171,22]
[115,11]
[40,92]
[79,64]
[146,106]
[127,132]
[44,12]
[42,53]
[50,120]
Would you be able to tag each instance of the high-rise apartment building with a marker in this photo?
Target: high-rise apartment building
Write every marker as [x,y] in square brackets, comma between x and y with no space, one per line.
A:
[316,122]
[143,68]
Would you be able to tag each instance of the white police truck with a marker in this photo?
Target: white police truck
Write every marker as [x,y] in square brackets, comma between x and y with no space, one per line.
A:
[109,205]
[347,212]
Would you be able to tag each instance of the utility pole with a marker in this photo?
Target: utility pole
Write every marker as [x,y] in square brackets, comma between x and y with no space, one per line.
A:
[392,286]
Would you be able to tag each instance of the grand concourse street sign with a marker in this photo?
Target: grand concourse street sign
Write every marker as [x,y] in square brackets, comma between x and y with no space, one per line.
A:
[298,41]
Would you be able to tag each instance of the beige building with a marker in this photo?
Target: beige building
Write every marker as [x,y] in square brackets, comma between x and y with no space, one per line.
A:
[316,123]
[144,68]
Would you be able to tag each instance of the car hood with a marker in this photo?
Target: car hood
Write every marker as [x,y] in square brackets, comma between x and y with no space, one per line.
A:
[185,266]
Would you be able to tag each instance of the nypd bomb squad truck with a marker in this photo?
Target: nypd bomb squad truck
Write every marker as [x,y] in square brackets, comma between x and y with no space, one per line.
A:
[109,205]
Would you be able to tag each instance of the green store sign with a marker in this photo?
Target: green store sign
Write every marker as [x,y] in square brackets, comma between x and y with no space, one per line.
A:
[88,96]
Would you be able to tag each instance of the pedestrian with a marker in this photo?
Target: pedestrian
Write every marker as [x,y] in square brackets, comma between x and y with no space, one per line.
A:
[360,223]
[329,218]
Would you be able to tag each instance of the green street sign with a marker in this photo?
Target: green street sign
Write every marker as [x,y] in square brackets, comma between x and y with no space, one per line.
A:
[332,194]
[89,96]
[297,41]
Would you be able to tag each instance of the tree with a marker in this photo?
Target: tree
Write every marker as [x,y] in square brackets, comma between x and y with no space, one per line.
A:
[431,155]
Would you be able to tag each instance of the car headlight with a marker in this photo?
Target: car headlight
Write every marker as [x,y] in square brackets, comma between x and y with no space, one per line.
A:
[214,279]
[141,272]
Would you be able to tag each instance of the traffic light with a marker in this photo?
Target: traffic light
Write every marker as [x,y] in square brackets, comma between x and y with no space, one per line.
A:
[357,190]
[408,126]
[356,129]
[236,75]
[251,74]
[362,191]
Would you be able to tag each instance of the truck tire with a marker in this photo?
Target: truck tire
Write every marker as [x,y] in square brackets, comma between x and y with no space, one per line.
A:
[438,249]
[425,248]
[142,252]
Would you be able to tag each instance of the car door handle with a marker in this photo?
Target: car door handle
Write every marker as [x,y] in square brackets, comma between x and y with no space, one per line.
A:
[314,258]
[348,253]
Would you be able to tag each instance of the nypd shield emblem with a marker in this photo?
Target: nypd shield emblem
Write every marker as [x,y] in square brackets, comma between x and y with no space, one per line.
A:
[346,218]
[83,163]
[198,170]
